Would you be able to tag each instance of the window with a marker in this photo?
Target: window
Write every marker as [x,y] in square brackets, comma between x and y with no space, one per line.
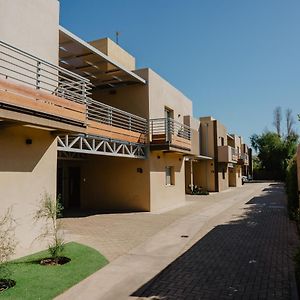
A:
[170,174]
[222,141]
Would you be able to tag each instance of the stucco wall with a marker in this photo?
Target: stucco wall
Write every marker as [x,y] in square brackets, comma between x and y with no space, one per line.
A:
[235,176]
[162,94]
[114,51]
[203,174]
[26,173]
[163,196]
[223,180]
[32,26]
[133,99]
[114,183]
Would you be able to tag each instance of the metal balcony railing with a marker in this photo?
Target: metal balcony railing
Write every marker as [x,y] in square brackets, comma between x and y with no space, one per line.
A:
[169,128]
[23,67]
[234,154]
[244,156]
[42,82]
[105,114]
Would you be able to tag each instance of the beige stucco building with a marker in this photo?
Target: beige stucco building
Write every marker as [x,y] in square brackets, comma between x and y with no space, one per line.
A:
[79,121]
[221,161]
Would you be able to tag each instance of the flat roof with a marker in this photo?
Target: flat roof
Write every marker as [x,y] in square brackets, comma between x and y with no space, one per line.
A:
[80,57]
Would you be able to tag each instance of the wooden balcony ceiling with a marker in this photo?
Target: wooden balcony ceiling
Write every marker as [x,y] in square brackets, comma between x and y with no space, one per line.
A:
[80,57]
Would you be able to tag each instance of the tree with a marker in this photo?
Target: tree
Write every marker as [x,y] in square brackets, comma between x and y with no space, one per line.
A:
[277,119]
[289,122]
[274,153]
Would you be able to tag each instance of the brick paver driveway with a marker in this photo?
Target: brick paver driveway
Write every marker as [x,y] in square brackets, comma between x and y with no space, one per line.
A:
[249,257]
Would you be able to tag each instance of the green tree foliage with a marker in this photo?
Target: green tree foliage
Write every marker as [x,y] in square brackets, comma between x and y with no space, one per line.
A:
[274,153]
[292,187]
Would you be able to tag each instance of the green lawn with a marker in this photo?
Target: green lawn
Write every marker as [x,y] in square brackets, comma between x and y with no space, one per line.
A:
[34,281]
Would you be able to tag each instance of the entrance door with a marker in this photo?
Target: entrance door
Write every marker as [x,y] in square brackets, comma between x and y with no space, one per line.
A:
[74,187]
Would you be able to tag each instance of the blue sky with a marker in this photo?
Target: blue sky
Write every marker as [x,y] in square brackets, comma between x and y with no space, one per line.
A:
[235,59]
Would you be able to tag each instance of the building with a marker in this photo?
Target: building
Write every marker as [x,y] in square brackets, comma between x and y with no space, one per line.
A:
[222,159]
[79,121]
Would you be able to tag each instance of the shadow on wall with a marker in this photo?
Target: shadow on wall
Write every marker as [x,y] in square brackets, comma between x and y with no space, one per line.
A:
[249,256]
[161,160]
[22,148]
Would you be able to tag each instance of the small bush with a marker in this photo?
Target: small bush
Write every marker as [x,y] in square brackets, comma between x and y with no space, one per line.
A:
[7,242]
[292,188]
[48,212]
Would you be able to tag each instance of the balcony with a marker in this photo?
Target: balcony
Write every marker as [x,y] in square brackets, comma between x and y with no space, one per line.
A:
[33,91]
[227,154]
[168,134]
[113,123]
[33,87]
[243,159]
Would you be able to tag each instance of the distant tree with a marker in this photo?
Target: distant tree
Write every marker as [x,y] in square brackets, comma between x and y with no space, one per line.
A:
[277,114]
[274,152]
[289,122]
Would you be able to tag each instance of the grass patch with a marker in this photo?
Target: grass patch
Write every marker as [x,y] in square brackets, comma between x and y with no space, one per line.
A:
[34,281]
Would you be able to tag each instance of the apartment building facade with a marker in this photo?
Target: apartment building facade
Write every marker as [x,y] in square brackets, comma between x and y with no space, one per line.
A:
[79,121]
[223,158]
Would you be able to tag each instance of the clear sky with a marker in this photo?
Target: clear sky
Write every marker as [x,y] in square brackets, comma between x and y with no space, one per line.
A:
[235,59]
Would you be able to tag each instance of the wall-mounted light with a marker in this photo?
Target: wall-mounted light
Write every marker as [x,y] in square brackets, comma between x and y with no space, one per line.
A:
[28,141]
[139,170]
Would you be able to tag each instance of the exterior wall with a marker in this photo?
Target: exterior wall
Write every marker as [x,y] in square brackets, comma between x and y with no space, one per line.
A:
[163,196]
[26,173]
[223,176]
[235,176]
[212,133]
[203,174]
[32,26]
[114,183]
[133,99]
[162,94]
[148,101]
[115,52]
[207,141]
[195,136]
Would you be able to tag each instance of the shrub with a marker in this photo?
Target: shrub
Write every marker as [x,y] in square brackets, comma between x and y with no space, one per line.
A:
[48,212]
[7,242]
[292,187]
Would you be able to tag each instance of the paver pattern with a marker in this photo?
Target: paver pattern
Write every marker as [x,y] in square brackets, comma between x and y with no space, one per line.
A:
[249,257]
[116,234]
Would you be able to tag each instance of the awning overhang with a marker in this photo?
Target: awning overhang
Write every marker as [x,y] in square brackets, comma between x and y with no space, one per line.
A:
[197,158]
[80,57]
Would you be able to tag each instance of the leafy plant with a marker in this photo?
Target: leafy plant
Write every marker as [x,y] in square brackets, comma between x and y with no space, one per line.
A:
[7,242]
[195,190]
[292,190]
[48,212]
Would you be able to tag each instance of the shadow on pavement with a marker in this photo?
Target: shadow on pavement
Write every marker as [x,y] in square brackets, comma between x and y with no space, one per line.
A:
[247,258]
